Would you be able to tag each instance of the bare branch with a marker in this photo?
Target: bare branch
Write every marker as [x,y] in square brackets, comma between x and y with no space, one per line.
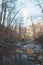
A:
[9,13]
[13,17]
[39,4]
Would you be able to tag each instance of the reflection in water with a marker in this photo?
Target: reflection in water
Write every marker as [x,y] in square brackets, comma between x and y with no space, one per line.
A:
[19,59]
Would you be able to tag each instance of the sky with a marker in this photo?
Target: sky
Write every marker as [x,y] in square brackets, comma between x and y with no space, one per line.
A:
[28,9]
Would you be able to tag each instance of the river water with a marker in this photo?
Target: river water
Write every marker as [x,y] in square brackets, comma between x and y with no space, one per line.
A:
[19,59]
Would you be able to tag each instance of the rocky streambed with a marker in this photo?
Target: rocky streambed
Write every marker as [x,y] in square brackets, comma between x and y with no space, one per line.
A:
[30,54]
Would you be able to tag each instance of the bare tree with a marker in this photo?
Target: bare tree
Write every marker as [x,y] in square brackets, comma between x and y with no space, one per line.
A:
[9,16]
[40,5]
[33,27]
[13,17]
[4,6]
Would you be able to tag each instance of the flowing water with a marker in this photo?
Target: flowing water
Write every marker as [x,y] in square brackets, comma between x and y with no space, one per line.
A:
[18,59]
